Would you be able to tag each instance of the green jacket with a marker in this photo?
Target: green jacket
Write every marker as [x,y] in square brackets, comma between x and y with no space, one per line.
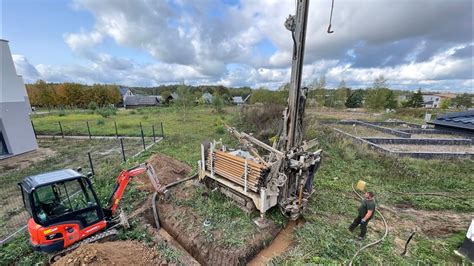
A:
[366,205]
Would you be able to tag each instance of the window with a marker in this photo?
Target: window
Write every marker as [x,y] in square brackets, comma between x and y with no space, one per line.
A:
[3,145]
[63,198]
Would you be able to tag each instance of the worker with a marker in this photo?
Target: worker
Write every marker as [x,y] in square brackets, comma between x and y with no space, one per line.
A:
[366,212]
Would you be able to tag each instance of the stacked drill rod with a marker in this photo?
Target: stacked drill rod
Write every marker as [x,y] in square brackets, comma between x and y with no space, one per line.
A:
[244,172]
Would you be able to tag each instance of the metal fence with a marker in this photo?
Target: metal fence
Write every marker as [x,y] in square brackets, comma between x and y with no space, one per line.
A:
[116,150]
[99,128]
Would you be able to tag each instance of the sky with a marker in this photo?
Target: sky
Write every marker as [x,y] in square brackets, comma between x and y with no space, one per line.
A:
[415,44]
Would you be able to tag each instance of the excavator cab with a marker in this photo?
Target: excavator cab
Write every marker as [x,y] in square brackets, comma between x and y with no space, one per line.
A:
[65,210]
[62,204]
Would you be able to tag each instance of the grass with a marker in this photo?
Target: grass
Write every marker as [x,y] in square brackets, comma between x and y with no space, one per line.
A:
[324,238]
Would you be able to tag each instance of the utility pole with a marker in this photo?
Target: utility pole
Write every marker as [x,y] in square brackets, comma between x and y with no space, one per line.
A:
[294,114]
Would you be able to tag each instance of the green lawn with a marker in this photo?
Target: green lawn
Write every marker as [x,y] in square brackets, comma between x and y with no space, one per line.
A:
[324,237]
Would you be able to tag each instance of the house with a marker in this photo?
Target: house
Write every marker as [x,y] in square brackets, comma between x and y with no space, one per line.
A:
[431,101]
[16,131]
[207,98]
[238,100]
[141,101]
[459,121]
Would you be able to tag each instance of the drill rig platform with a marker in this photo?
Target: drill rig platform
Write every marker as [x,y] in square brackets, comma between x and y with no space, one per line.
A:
[284,175]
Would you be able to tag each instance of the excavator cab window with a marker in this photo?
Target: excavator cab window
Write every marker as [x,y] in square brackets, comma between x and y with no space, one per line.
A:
[62,201]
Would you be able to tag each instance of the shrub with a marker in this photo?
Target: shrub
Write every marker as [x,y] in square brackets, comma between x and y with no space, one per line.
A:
[133,112]
[100,122]
[62,112]
[145,117]
[92,106]
[106,112]
[262,120]
[220,130]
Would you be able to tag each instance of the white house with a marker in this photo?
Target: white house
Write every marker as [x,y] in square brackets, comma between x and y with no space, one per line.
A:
[431,101]
[16,132]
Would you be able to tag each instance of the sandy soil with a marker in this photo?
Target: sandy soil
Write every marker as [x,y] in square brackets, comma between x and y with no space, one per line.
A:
[24,160]
[167,169]
[403,220]
[112,253]
[429,148]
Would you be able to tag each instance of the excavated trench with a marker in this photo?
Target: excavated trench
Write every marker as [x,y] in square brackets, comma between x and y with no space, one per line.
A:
[186,230]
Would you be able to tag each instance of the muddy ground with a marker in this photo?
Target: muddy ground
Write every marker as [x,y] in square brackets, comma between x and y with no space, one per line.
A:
[22,161]
[403,220]
[181,229]
[112,253]
[185,225]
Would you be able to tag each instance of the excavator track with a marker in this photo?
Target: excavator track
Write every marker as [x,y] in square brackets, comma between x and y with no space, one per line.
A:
[97,237]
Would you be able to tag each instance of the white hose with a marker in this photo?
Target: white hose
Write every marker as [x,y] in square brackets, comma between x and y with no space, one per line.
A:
[373,243]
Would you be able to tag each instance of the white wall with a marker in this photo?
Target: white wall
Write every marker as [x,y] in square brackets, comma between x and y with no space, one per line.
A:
[12,88]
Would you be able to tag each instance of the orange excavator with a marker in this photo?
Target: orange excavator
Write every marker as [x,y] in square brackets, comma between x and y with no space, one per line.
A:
[66,212]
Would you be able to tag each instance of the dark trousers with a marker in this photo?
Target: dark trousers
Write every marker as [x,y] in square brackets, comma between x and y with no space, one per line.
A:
[363,226]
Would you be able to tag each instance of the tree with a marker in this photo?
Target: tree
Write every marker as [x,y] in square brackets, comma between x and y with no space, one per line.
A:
[217,102]
[445,103]
[380,98]
[463,101]
[416,100]
[184,99]
[390,101]
[355,99]
[380,82]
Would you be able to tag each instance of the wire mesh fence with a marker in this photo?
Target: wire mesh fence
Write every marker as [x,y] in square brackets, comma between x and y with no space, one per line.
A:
[98,128]
[54,154]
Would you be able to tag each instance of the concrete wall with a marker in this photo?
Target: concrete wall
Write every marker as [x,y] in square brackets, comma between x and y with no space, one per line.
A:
[14,107]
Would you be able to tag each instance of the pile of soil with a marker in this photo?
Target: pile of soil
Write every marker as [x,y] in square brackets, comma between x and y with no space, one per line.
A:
[110,253]
[167,169]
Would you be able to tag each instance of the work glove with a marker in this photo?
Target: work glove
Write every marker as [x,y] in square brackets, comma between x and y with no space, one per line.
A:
[363,221]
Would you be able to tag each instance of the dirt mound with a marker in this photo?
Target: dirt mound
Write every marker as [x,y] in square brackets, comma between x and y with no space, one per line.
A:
[167,169]
[112,253]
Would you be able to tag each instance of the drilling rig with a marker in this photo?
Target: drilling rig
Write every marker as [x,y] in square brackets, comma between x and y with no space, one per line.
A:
[284,175]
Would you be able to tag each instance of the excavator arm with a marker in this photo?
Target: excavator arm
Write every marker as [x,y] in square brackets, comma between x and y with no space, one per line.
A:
[123,179]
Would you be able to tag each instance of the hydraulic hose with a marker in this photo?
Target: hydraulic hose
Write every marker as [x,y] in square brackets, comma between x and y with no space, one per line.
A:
[153,203]
[373,243]
[155,211]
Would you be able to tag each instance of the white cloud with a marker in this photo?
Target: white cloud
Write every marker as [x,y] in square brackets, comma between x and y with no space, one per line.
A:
[413,43]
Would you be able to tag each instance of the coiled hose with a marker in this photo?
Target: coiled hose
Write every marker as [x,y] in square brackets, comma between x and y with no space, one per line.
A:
[373,243]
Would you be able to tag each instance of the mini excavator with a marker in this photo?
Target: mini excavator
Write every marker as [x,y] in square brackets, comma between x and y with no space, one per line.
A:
[66,212]
[284,176]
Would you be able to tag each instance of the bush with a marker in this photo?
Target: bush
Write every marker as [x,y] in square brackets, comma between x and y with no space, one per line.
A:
[133,112]
[100,122]
[62,112]
[220,130]
[92,106]
[106,112]
[263,120]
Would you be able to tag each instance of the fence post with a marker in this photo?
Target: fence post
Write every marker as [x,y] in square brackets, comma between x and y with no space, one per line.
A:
[123,150]
[61,128]
[34,130]
[162,131]
[88,129]
[143,137]
[116,131]
[153,129]
[90,163]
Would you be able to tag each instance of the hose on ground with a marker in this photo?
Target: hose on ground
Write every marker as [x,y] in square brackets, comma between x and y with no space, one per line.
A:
[155,211]
[153,203]
[373,243]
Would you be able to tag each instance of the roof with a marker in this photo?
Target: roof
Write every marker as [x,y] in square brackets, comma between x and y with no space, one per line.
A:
[237,99]
[31,182]
[207,95]
[460,120]
[123,90]
[141,100]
